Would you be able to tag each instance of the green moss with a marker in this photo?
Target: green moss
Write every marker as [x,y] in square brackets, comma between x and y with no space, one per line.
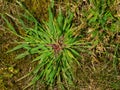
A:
[39,8]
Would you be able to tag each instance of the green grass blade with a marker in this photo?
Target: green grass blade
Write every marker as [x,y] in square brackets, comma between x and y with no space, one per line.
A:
[10,26]
[22,55]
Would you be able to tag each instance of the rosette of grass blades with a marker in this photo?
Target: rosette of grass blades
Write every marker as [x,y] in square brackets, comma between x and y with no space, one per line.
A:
[56,48]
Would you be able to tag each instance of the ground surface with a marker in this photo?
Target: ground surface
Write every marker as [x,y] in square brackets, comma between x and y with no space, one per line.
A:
[98,72]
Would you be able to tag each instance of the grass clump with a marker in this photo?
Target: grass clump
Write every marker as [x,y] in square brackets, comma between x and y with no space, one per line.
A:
[55,47]
[61,47]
